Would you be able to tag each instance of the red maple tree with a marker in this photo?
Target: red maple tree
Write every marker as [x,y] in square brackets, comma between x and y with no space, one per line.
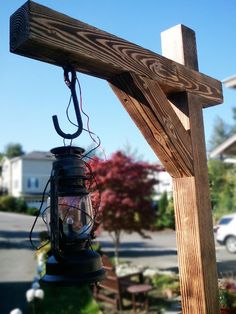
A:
[126,187]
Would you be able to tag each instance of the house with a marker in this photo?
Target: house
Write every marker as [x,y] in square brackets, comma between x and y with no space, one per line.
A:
[26,176]
[226,151]
[230,82]
[164,184]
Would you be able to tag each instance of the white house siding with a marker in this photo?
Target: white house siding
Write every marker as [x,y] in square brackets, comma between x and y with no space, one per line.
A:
[16,178]
[26,176]
[164,185]
[35,176]
[6,176]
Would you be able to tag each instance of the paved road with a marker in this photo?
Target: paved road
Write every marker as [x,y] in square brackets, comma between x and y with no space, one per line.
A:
[160,251]
[17,261]
[157,251]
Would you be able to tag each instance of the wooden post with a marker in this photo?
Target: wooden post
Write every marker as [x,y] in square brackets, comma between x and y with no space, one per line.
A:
[194,229]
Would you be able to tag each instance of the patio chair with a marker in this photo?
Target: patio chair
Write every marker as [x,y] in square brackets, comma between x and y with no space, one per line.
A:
[114,289]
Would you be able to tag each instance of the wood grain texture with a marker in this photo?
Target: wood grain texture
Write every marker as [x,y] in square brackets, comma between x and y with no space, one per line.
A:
[178,43]
[41,33]
[189,253]
[152,113]
[194,229]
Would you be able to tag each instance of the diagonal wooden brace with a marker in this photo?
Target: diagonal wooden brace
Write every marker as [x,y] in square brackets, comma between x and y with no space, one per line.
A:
[153,114]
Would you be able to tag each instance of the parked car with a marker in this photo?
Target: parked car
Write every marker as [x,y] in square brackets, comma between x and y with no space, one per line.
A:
[225,232]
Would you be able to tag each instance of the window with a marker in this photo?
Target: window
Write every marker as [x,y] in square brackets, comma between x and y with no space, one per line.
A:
[225,221]
[32,183]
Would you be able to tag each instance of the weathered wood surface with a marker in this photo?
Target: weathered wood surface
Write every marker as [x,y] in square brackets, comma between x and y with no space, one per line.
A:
[175,51]
[148,106]
[44,34]
[142,79]
[194,229]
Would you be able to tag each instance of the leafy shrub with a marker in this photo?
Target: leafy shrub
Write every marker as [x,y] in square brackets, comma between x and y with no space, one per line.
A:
[8,203]
[64,300]
[32,211]
[16,205]
[43,236]
[162,282]
[226,298]
[21,206]
[12,204]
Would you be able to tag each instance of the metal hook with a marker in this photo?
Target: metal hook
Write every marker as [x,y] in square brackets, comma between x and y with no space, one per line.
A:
[71,84]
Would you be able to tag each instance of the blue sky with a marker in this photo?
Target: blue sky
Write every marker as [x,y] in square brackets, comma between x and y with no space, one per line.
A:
[32,91]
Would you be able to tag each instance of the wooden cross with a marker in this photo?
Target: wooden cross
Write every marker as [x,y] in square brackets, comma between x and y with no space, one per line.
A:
[165,97]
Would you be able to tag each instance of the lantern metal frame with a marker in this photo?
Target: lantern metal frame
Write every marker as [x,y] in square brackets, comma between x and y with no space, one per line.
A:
[70,263]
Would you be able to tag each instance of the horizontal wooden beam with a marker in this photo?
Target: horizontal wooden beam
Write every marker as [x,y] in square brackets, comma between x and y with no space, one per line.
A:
[44,34]
[154,116]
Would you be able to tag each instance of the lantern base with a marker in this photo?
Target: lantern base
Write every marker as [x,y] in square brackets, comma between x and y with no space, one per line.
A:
[83,268]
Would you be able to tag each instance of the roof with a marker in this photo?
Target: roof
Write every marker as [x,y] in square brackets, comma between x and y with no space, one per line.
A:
[227,148]
[37,155]
[34,155]
[230,81]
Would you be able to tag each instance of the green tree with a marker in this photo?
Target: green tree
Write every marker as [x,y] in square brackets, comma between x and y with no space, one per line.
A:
[163,203]
[234,114]
[221,132]
[233,128]
[1,157]
[222,186]
[165,213]
[222,175]
[132,152]
[13,150]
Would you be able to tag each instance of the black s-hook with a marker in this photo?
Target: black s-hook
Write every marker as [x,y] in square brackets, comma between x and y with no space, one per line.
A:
[71,84]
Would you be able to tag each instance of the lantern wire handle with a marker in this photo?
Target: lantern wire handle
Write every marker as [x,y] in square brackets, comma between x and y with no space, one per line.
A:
[72,86]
